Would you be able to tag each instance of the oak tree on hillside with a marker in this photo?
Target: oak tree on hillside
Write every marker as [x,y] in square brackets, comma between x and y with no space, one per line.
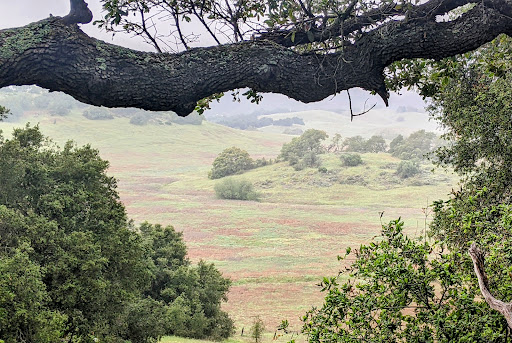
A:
[305,49]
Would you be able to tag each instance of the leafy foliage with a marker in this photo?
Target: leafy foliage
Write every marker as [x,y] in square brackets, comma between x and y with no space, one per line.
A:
[302,152]
[235,189]
[404,290]
[359,144]
[417,146]
[231,161]
[72,265]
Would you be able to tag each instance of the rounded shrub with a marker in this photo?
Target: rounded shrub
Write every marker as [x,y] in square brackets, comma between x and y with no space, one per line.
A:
[351,160]
[229,162]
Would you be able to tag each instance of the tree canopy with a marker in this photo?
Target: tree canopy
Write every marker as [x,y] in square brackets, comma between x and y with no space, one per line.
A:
[305,49]
[73,267]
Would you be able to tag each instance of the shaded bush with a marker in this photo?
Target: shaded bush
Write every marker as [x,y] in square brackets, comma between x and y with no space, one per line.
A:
[235,189]
[407,169]
[351,160]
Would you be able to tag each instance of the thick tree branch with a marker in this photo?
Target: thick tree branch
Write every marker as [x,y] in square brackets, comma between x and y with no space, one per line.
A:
[79,13]
[478,262]
[60,57]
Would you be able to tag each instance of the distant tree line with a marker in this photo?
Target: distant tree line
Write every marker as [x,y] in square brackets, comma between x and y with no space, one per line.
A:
[253,121]
[33,98]
[72,266]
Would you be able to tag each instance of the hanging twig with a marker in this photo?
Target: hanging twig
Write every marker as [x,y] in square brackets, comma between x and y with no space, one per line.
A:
[352,115]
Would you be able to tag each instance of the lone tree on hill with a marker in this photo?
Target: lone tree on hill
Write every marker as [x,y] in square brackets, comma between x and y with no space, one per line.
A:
[305,49]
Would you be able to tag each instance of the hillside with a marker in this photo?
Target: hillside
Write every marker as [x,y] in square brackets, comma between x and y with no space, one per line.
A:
[382,121]
[274,250]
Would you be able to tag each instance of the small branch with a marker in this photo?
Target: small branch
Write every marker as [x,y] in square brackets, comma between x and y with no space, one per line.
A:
[352,115]
[308,13]
[79,13]
[145,30]
[478,262]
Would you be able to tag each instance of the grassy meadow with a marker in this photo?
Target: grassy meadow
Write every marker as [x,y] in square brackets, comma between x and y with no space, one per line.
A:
[275,250]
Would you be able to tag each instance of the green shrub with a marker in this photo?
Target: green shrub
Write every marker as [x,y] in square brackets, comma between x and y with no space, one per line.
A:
[229,162]
[407,169]
[351,160]
[235,189]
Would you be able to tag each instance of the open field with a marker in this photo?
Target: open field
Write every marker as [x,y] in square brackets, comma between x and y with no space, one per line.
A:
[274,250]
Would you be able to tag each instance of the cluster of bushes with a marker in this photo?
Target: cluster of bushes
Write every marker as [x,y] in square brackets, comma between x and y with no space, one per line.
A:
[359,144]
[233,161]
[74,268]
[302,152]
[416,146]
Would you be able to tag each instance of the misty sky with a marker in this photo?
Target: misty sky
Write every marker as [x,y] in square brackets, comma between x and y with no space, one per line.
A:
[21,12]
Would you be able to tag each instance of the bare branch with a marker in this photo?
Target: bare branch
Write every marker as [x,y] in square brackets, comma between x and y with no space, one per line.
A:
[146,32]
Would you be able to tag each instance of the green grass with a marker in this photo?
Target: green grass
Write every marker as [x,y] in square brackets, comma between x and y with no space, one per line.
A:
[274,249]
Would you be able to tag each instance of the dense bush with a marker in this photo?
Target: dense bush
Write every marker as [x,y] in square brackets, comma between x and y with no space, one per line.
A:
[407,169]
[231,161]
[235,189]
[71,264]
[351,160]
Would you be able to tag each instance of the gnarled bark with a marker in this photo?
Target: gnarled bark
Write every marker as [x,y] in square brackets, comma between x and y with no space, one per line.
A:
[478,263]
[55,54]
